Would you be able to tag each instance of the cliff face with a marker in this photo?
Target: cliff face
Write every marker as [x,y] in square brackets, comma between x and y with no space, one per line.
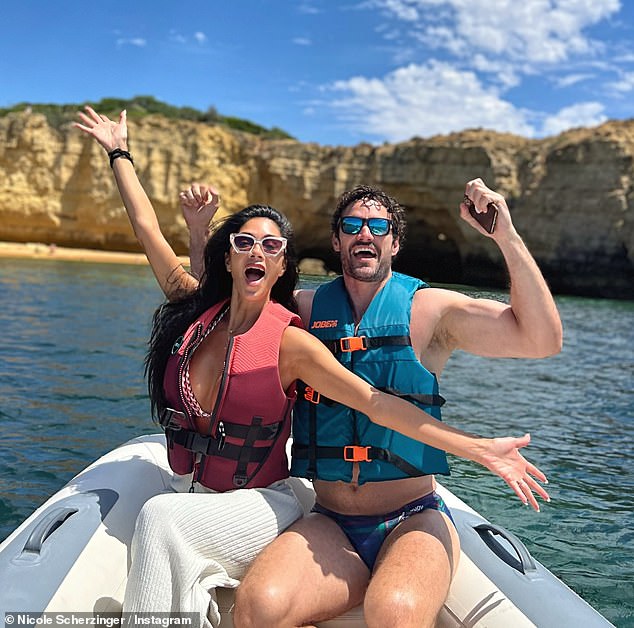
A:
[571,197]
[57,186]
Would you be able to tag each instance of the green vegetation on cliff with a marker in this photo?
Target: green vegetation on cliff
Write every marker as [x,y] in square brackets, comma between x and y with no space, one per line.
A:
[141,106]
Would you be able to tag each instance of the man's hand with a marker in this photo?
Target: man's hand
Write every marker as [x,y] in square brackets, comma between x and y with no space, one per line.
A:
[199,203]
[481,196]
[108,133]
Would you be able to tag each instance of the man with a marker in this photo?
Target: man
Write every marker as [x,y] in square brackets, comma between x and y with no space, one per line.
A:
[349,551]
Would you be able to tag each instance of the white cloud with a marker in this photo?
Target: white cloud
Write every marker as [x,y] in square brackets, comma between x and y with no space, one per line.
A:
[425,100]
[302,41]
[501,72]
[534,31]
[578,115]
[436,98]
[488,48]
[402,9]
[308,9]
[187,41]
[139,42]
[388,33]
[571,79]
[177,38]
[624,84]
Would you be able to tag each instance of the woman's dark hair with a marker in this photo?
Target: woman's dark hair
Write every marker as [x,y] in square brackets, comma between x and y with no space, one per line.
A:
[172,319]
[369,193]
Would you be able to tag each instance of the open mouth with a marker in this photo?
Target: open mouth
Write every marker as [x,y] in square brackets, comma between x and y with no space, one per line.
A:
[254,273]
[364,252]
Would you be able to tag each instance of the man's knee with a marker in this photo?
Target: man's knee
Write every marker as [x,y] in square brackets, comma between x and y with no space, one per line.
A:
[394,607]
[264,604]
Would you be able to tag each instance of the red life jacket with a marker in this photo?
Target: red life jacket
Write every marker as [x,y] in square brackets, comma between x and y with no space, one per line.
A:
[245,444]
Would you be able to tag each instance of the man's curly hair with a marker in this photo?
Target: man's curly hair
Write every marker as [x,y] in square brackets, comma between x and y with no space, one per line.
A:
[367,192]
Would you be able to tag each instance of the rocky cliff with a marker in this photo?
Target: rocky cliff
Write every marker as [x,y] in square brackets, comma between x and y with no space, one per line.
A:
[571,197]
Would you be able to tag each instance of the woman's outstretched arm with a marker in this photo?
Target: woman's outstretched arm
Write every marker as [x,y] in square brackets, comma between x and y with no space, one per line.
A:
[173,279]
[306,358]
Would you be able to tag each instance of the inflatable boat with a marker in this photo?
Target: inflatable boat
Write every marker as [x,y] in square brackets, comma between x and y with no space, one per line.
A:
[71,555]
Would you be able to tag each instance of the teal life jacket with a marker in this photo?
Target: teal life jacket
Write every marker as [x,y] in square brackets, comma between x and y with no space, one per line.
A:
[329,437]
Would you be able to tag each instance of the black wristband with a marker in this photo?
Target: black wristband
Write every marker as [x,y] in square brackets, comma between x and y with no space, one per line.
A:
[118,152]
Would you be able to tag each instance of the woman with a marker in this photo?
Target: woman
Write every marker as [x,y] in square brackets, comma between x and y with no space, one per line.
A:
[224,356]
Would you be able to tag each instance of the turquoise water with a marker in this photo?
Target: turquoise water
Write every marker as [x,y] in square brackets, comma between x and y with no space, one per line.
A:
[71,388]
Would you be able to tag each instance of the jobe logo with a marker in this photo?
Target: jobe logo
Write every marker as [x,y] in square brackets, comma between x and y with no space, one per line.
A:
[323,324]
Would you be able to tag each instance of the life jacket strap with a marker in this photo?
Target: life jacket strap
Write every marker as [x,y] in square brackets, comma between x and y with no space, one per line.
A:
[424,400]
[240,477]
[356,453]
[255,431]
[205,445]
[363,343]
[315,397]
[174,420]
[311,470]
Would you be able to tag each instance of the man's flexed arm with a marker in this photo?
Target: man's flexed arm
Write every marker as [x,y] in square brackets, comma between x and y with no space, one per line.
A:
[529,326]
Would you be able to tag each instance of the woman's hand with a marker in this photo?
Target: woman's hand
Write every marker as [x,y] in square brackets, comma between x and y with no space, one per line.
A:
[503,458]
[108,133]
[199,204]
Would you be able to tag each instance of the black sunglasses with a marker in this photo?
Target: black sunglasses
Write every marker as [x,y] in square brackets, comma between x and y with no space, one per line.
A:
[351,225]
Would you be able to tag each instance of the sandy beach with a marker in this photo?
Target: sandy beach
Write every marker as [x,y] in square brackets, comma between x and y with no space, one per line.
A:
[39,250]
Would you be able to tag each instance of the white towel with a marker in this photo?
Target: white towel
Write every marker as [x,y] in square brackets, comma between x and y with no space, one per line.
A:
[187,544]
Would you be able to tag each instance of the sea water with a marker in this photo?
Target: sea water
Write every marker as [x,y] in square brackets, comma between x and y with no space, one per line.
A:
[72,342]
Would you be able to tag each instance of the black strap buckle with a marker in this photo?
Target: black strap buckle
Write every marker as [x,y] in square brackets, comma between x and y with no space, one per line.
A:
[169,419]
[200,444]
[239,480]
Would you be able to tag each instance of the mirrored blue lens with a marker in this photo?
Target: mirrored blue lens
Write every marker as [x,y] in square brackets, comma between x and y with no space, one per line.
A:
[351,225]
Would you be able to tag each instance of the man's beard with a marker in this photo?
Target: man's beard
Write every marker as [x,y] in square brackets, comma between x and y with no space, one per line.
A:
[380,273]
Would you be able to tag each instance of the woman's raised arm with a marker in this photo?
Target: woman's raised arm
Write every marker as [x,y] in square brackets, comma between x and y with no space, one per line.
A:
[199,204]
[170,274]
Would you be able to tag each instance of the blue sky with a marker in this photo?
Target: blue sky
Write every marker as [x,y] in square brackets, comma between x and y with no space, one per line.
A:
[334,72]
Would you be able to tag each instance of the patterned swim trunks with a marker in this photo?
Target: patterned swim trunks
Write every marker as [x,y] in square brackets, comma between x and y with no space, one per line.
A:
[368,532]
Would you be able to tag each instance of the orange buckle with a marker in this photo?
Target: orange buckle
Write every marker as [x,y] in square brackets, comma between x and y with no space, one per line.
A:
[352,343]
[310,394]
[355,453]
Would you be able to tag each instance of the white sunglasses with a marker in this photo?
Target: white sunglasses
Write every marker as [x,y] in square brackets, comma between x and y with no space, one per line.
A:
[245,243]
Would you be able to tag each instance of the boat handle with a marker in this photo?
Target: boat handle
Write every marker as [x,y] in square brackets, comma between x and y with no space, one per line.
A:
[525,562]
[46,527]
